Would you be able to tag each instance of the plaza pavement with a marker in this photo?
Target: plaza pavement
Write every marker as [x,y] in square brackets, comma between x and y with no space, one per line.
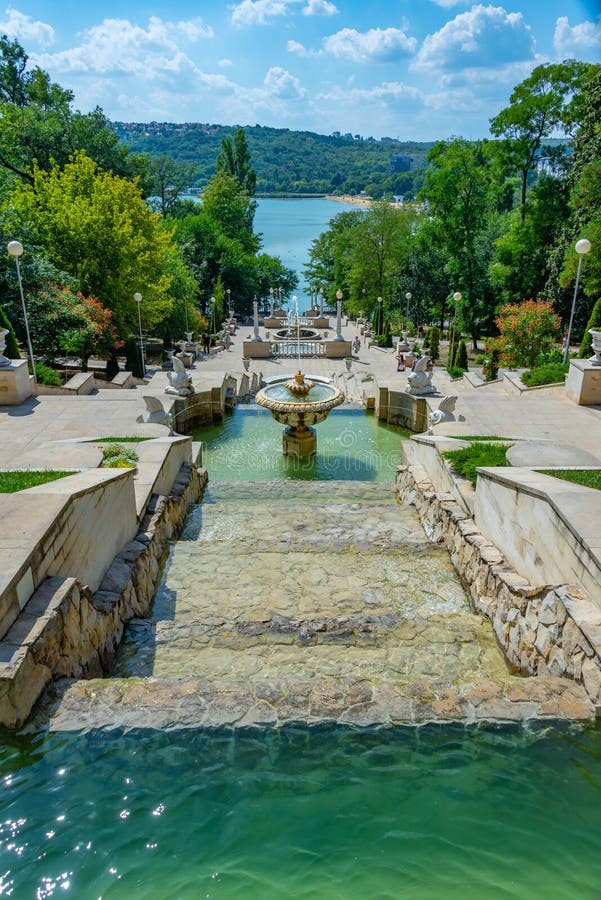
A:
[29,433]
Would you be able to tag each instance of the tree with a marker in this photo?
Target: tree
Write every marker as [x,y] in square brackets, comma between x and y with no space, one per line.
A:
[169,178]
[230,207]
[461,361]
[462,202]
[234,159]
[526,330]
[97,227]
[538,106]
[38,125]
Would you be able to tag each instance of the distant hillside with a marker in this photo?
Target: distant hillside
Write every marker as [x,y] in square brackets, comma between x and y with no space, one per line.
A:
[296,162]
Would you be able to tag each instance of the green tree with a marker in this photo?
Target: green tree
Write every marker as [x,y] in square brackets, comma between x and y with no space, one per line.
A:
[234,159]
[97,227]
[230,207]
[462,201]
[461,361]
[168,179]
[433,342]
[549,99]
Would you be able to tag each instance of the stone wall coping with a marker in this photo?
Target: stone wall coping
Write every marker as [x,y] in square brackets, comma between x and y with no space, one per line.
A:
[154,459]
[575,504]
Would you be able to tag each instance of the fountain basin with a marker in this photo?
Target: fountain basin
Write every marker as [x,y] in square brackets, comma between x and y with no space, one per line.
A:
[291,334]
[299,412]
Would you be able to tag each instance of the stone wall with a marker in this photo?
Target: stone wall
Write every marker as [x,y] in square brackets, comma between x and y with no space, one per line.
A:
[401,408]
[541,630]
[65,630]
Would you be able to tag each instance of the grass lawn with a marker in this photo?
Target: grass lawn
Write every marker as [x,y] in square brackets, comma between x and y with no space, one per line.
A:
[589,478]
[118,440]
[18,481]
[466,460]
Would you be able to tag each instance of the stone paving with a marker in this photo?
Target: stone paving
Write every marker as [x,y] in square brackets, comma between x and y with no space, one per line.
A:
[308,602]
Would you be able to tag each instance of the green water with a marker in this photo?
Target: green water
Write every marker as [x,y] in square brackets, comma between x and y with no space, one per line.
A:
[247,446]
[327,813]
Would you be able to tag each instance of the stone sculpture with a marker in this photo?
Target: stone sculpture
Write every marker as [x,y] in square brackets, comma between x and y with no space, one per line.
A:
[445,411]
[420,379]
[180,382]
[157,414]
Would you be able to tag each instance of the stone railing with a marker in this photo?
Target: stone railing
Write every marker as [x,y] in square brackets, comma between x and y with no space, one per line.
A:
[66,630]
[541,630]
[291,348]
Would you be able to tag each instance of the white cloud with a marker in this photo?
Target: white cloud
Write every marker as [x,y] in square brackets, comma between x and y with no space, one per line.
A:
[300,49]
[583,39]
[377,44]
[320,8]
[257,12]
[225,63]
[486,36]
[386,93]
[24,28]
[446,4]
[118,46]
[280,83]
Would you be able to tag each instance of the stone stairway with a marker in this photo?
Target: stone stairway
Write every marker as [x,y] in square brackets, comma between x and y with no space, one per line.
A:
[307,601]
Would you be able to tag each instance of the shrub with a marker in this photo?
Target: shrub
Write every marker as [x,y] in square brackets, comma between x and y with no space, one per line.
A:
[12,347]
[491,369]
[118,457]
[433,342]
[586,347]
[455,371]
[479,359]
[527,329]
[467,459]
[551,373]
[46,375]
[133,357]
[460,361]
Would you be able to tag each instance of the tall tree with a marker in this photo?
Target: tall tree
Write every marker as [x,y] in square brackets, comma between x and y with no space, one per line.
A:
[548,100]
[234,159]
[462,201]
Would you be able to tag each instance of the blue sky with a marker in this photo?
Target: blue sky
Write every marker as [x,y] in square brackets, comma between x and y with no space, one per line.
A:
[414,70]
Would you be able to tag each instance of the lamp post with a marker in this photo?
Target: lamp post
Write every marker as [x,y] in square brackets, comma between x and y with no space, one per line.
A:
[321,302]
[456,298]
[408,297]
[138,299]
[15,248]
[380,327]
[229,308]
[582,247]
[271,300]
[338,316]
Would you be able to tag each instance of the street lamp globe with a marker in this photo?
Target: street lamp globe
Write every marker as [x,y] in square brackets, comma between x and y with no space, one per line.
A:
[138,297]
[457,296]
[582,246]
[339,294]
[15,248]
[408,295]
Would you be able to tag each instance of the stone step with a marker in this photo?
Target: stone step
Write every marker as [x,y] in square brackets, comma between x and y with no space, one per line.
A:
[300,492]
[214,701]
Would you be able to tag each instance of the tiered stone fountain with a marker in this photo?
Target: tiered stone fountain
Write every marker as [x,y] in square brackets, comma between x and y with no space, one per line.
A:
[299,403]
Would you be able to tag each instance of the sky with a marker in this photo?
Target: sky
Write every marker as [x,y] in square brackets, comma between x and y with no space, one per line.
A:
[419,70]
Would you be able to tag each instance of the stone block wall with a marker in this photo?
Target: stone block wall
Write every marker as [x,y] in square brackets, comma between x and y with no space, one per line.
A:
[549,629]
[66,630]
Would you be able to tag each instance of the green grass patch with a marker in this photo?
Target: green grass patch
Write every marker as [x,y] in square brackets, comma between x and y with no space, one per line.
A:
[587,477]
[466,460]
[118,440]
[480,437]
[10,482]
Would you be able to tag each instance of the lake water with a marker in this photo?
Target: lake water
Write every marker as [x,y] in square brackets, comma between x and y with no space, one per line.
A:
[288,228]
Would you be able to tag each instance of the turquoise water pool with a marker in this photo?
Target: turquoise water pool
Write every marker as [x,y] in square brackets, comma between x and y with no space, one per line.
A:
[437,812]
[351,445]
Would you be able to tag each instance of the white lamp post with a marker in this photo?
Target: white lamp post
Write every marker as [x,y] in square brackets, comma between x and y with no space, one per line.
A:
[321,303]
[138,299]
[271,299]
[408,297]
[582,247]
[15,248]
[380,327]
[229,308]
[338,316]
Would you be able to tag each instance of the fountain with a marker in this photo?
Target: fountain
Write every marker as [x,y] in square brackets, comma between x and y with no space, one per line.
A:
[299,403]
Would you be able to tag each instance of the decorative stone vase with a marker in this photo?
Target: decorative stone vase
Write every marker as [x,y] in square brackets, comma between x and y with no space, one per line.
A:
[189,336]
[596,338]
[246,364]
[348,363]
[4,361]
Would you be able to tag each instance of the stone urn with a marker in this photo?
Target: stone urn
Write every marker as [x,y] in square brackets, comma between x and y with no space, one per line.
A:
[4,361]
[348,362]
[246,363]
[189,336]
[596,339]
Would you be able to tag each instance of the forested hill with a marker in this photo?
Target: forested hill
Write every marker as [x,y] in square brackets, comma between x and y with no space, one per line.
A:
[298,162]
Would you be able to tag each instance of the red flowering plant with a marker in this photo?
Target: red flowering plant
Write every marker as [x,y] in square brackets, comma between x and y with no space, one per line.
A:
[526,330]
